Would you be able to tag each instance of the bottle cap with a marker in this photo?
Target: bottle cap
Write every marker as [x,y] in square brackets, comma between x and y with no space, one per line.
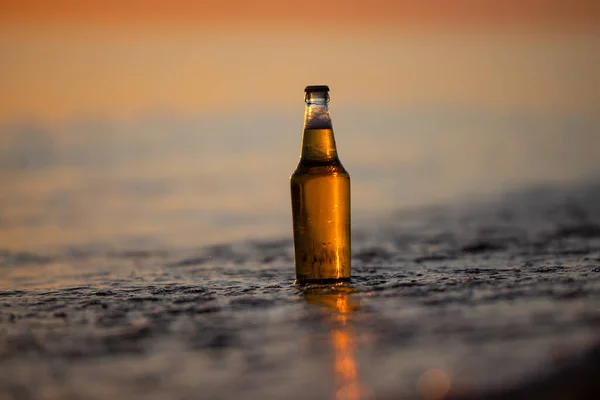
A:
[318,88]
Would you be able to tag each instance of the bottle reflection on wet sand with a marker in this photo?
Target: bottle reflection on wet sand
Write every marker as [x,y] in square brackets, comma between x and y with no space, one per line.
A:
[339,307]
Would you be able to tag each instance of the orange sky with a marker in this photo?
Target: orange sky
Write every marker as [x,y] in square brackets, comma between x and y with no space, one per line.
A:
[552,12]
[122,58]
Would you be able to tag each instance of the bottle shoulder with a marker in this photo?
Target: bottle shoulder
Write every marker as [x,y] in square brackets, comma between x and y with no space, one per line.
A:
[317,168]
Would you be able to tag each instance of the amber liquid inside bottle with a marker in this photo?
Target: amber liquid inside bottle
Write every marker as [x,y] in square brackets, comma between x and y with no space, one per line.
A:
[320,189]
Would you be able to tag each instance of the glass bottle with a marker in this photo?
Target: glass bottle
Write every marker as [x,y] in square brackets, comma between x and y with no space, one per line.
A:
[320,189]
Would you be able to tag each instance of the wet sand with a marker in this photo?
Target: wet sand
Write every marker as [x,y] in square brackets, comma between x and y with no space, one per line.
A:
[491,299]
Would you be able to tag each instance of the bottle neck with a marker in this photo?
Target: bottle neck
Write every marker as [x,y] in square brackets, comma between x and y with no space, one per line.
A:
[316,113]
[318,142]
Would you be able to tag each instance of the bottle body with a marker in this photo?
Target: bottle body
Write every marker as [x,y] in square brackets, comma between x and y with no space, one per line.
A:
[320,189]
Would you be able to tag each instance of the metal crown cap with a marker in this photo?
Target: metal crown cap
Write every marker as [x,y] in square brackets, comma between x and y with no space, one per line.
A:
[317,88]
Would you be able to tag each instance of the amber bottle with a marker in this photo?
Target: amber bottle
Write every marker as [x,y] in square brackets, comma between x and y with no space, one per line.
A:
[320,188]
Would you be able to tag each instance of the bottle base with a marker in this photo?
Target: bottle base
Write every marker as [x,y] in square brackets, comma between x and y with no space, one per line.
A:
[330,281]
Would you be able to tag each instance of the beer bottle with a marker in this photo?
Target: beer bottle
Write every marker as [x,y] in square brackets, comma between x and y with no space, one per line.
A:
[320,189]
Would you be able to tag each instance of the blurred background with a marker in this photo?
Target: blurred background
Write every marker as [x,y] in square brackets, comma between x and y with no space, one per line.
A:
[137,124]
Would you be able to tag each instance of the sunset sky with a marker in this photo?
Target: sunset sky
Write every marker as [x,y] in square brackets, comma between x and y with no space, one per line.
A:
[559,12]
[65,59]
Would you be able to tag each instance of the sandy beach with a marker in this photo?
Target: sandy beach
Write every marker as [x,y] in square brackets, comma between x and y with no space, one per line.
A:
[496,299]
